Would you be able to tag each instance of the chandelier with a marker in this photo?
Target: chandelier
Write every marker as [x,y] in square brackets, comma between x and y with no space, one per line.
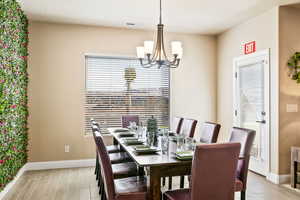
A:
[157,57]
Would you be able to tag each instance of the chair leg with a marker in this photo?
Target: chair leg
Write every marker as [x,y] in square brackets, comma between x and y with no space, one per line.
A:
[99,177]
[103,195]
[170,182]
[97,172]
[100,189]
[141,171]
[243,195]
[181,181]
[96,168]
[164,197]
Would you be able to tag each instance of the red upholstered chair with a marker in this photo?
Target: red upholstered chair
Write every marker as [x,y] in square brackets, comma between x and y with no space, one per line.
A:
[245,137]
[120,170]
[129,118]
[209,132]
[176,124]
[132,188]
[188,127]
[110,148]
[116,156]
[210,181]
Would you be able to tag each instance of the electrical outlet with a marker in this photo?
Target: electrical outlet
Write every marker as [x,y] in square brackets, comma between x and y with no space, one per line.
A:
[67,148]
[291,108]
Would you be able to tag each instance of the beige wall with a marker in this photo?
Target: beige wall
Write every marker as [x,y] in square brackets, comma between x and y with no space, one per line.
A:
[289,126]
[56,87]
[264,30]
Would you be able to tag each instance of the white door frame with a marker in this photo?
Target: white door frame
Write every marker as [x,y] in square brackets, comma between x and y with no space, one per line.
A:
[244,60]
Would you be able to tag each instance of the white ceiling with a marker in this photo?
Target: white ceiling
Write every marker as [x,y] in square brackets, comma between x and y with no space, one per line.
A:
[190,16]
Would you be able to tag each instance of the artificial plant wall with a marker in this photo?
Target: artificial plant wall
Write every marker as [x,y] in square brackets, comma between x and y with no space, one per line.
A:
[13,90]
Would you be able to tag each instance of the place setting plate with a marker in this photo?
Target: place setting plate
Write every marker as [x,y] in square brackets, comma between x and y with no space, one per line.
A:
[126,134]
[132,141]
[121,130]
[145,149]
[184,155]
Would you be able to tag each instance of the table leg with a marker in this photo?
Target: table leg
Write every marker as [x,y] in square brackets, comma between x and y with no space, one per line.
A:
[295,174]
[115,142]
[141,171]
[154,191]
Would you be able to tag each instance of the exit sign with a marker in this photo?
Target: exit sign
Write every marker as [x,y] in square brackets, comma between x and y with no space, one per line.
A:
[250,47]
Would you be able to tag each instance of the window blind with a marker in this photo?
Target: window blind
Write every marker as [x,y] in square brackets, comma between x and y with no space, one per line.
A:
[120,86]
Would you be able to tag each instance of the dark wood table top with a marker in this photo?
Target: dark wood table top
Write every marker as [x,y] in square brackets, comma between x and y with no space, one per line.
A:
[157,159]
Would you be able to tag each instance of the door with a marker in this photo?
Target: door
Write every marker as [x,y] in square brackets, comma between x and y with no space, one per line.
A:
[251,104]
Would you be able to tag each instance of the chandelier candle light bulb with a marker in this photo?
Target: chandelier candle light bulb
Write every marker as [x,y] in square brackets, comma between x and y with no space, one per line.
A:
[176,48]
[148,47]
[140,52]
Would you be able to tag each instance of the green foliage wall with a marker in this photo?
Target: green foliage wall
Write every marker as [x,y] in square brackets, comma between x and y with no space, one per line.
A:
[13,90]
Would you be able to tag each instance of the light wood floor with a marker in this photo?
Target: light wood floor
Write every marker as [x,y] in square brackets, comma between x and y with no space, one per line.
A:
[80,184]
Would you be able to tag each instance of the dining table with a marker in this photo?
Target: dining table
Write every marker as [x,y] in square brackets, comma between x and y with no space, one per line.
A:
[157,165]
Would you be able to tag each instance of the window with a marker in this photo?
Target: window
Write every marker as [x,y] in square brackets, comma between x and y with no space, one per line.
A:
[120,86]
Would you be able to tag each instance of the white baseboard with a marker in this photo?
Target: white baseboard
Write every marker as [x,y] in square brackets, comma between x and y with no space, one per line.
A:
[31,166]
[60,164]
[278,179]
[286,178]
[12,183]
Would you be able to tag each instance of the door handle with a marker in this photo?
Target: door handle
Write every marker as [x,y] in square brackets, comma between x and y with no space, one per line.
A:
[262,121]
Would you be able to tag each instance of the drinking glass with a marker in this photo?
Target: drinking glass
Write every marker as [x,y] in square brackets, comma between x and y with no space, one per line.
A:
[150,139]
[194,144]
[140,132]
[180,142]
[165,132]
[134,126]
[103,127]
[188,143]
[164,142]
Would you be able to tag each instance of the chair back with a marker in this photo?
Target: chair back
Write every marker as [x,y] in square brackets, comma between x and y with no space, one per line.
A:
[245,137]
[106,169]
[126,119]
[94,125]
[188,127]
[176,126]
[213,171]
[210,132]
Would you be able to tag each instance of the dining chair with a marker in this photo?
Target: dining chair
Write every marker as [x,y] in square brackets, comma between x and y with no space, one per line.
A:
[115,157]
[188,127]
[176,124]
[131,188]
[120,170]
[210,181]
[126,119]
[245,137]
[209,132]
[110,148]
